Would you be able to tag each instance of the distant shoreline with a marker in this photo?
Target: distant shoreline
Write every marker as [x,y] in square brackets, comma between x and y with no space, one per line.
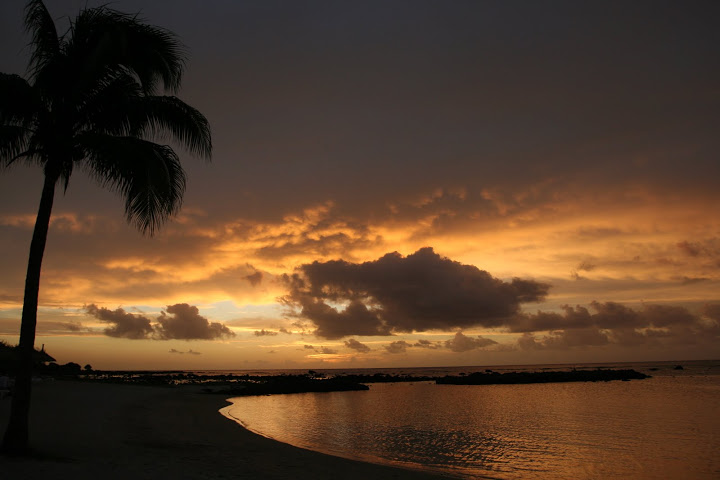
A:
[242,385]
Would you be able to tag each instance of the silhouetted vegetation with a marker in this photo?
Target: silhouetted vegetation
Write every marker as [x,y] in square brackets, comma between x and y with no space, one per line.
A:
[44,365]
[10,358]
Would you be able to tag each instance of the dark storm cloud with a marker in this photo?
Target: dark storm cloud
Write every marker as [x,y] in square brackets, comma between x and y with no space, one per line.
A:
[607,316]
[612,323]
[184,322]
[399,346]
[356,345]
[179,322]
[462,343]
[123,324]
[420,292]
[356,319]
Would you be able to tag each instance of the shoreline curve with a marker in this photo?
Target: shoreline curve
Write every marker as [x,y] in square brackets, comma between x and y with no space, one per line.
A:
[84,430]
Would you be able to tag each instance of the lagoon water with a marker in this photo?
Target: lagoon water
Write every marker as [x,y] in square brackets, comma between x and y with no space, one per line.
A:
[663,427]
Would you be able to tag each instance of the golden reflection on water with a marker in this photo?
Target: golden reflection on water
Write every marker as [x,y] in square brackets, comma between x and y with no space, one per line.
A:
[664,427]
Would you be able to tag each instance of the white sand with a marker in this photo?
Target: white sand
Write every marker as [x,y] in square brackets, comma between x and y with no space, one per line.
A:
[103,431]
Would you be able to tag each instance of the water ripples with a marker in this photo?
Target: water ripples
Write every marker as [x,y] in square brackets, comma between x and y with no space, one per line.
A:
[663,427]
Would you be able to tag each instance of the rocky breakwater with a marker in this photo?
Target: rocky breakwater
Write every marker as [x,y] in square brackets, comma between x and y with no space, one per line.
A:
[513,378]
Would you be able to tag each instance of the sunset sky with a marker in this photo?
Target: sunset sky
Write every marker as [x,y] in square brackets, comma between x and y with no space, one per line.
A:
[401,183]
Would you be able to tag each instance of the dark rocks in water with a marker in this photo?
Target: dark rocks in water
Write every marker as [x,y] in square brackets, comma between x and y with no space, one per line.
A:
[678,367]
[512,378]
[231,384]
[291,384]
[385,378]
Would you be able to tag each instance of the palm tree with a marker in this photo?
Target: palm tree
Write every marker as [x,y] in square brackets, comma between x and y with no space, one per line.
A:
[92,100]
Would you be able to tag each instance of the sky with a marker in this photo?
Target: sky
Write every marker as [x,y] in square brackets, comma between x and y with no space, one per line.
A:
[398,184]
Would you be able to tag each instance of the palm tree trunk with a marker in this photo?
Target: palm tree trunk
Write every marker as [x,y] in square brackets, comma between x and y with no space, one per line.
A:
[16,435]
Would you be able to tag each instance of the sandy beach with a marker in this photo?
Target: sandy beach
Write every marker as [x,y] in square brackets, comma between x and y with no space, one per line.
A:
[83,430]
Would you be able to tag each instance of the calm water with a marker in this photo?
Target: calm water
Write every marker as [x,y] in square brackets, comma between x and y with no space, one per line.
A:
[664,427]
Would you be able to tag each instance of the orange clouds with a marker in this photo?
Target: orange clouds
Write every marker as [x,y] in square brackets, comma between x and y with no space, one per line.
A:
[622,245]
[551,231]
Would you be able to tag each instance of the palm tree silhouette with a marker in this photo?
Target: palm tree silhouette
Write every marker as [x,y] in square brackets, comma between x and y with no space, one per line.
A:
[92,102]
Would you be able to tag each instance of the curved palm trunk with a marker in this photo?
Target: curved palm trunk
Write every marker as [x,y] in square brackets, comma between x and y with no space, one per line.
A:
[16,435]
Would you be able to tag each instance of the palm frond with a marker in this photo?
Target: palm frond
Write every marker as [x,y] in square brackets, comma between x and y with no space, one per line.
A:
[163,116]
[149,176]
[18,100]
[117,107]
[65,173]
[13,144]
[102,37]
[19,106]
[45,42]
[154,54]
[104,108]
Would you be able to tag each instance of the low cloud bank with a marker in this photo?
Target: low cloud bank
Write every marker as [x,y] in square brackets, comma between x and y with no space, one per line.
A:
[322,350]
[614,323]
[458,343]
[462,343]
[178,322]
[357,346]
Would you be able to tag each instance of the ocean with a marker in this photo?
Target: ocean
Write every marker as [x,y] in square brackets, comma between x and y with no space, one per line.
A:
[666,426]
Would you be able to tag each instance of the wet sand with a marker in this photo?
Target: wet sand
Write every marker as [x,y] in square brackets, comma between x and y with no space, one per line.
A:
[84,430]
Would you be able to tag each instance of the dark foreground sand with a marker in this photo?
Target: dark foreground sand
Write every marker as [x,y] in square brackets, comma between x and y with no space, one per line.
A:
[102,431]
